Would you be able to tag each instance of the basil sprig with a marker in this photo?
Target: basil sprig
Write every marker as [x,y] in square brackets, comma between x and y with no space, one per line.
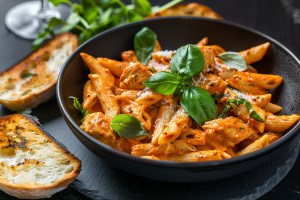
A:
[128,126]
[233,60]
[78,106]
[187,62]
[237,102]
[144,44]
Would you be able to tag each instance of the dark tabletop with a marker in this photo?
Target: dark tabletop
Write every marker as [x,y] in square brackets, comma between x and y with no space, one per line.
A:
[279,19]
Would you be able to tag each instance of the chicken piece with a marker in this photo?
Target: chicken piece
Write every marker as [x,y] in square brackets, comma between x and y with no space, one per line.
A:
[98,126]
[133,76]
[224,133]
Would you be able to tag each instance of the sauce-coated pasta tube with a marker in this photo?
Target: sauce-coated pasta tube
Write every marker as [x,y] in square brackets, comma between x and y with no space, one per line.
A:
[178,123]
[148,97]
[193,136]
[255,53]
[129,56]
[258,144]
[166,112]
[96,68]
[259,100]
[115,67]
[280,123]
[263,81]
[272,108]
[203,42]
[106,97]
[243,84]
[89,95]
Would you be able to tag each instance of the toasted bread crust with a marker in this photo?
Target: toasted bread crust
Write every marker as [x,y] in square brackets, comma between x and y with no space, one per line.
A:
[37,60]
[34,190]
[187,9]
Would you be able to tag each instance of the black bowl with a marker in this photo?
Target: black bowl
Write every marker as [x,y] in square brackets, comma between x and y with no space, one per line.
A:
[172,33]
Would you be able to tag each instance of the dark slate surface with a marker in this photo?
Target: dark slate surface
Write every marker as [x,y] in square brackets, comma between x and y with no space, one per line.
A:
[279,19]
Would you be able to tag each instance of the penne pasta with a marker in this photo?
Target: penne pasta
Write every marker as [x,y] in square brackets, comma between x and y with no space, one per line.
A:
[115,67]
[106,97]
[178,123]
[272,108]
[89,95]
[202,42]
[280,123]
[148,97]
[129,56]
[255,53]
[98,69]
[243,84]
[166,112]
[219,49]
[258,144]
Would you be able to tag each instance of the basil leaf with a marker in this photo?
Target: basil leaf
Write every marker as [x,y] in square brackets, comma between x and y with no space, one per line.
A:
[233,60]
[198,103]
[78,106]
[187,57]
[180,90]
[128,126]
[253,114]
[185,76]
[142,7]
[162,82]
[144,44]
[26,111]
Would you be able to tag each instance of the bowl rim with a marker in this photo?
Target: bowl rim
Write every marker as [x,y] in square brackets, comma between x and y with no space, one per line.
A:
[161,163]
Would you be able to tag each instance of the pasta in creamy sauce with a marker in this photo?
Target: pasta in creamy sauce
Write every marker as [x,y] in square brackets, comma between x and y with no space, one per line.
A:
[115,87]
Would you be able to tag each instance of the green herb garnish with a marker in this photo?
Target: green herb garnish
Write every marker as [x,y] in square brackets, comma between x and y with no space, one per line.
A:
[233,60]
[186,63]
[144,44]
[237,102]
[92,17]
[79,107]
[128,126]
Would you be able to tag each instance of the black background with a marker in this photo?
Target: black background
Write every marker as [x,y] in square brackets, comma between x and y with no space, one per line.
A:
[279,19]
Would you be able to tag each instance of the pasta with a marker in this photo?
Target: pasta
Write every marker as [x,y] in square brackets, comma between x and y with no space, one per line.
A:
[169,131]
